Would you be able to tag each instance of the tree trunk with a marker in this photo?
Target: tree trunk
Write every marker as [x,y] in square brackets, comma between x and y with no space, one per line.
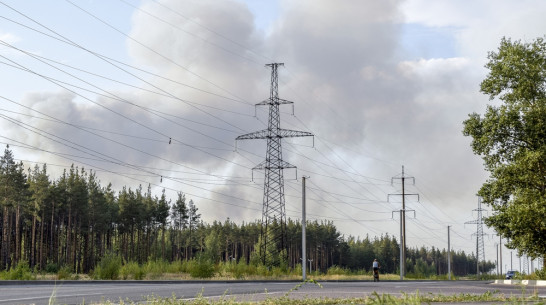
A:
[75,248]
[41,253]
[51,244]
[87,250]
[68,237]
[163,242]
[33,243]
[5,240]
[131,241]
[17,233]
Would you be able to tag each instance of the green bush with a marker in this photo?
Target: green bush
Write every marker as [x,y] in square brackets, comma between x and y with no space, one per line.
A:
[51,267]
[239,270]
[132,270]
[64,273]
[177,267]
[155,268]
[278,271]
[202,268]
[262,270]
[336,270]
[541,274]
[21,271]
[109,268]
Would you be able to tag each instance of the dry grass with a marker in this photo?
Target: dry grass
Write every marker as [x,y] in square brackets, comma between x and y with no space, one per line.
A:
[226,277]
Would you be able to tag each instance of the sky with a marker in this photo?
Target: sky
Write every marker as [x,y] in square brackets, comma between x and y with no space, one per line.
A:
[155,93]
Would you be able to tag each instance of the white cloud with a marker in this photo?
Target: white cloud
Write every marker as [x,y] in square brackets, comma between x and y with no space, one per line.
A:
[9,38]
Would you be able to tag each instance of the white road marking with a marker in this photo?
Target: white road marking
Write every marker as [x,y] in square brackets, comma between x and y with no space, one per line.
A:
[56,297]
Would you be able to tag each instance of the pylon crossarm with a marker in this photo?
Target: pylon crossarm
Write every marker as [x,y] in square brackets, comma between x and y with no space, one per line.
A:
[262,134]
[281,133]
[277,101]
[287,133]
[405,194]
[282,165]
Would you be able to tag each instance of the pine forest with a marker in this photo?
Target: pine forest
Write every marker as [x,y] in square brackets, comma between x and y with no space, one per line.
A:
[74,221]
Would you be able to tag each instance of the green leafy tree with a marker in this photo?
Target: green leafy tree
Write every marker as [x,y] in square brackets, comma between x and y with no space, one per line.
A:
[511,138]
[213,245]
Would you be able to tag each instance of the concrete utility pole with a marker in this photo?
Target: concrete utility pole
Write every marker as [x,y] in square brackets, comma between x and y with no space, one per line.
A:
[500,253]
[401,252]
[273,228]
[403,178]
[303,241]
[497,260]
[448,255]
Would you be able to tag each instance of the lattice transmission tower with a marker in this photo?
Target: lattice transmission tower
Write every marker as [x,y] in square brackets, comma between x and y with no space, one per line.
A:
[273,228]
[526,265]
[480,249]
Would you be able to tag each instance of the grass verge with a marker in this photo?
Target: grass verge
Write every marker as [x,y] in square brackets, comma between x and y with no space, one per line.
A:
[373,299]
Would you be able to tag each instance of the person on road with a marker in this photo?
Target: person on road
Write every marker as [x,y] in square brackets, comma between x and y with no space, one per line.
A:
[375,266]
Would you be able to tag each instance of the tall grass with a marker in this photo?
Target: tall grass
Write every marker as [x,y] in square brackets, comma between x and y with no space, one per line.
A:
[373,299]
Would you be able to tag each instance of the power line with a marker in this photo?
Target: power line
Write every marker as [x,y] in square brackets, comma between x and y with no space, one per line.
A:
[99,55]
[212,31]
[190,33]
[107,60]
[94,151]
[151,49]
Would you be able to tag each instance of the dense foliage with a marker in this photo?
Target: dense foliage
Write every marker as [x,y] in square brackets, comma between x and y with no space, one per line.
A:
[511,138]
[74,224]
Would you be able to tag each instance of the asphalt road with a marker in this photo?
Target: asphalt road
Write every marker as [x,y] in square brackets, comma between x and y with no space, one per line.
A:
[78,292]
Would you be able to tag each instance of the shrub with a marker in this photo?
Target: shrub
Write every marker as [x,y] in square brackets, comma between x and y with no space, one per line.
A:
[262,270]
[202,268]
[336,270]
[51,267]
[64,273]
[240,270]
[541,274]
[21,271]
[108,268]
[155,268]
[176,267]
[132,270]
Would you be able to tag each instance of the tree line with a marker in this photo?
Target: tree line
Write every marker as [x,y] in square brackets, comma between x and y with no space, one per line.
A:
[74,221]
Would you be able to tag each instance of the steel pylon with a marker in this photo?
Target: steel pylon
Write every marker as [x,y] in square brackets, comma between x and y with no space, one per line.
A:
[480,249]
[273,227]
